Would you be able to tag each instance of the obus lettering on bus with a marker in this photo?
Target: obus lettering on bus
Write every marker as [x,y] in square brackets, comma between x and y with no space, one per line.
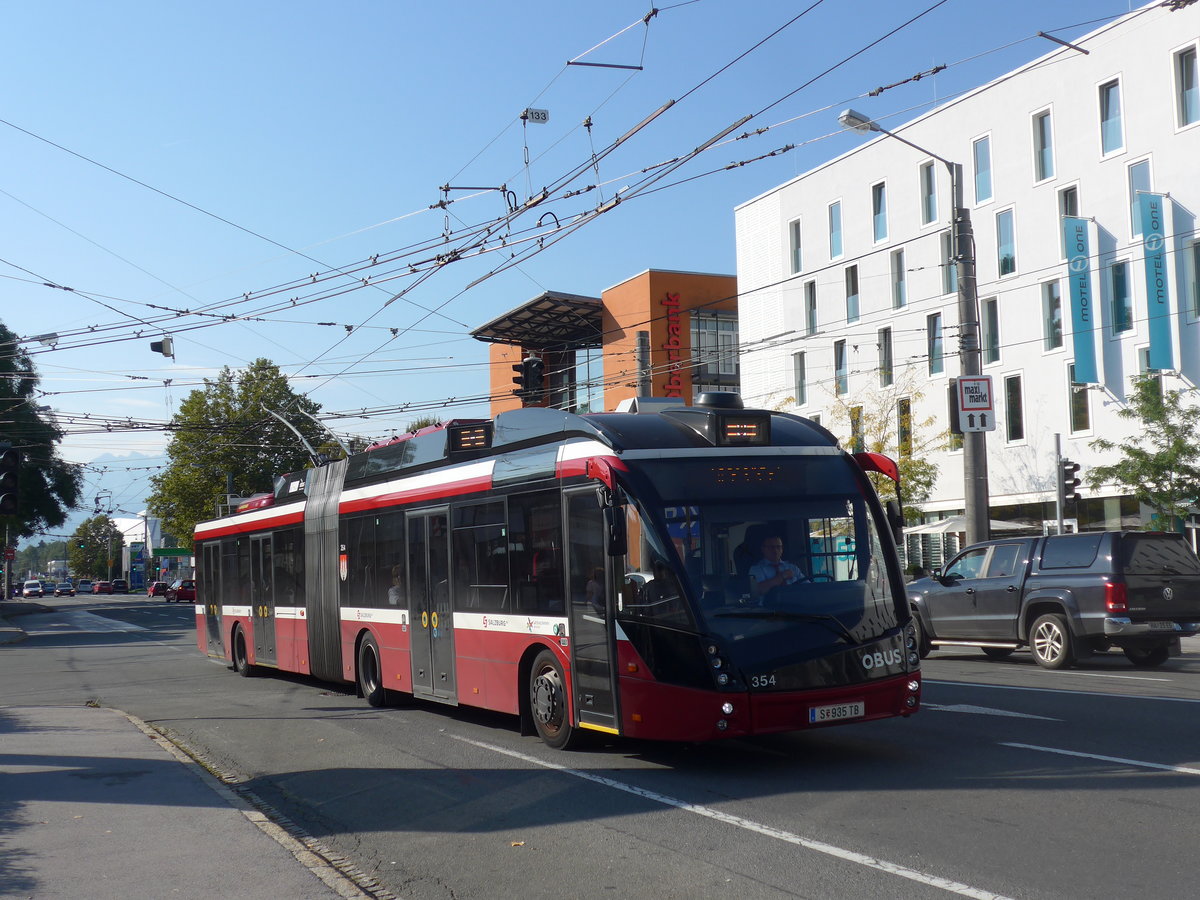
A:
[881,658]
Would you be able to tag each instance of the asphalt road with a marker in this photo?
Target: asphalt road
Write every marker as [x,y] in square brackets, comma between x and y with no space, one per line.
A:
[1012,782]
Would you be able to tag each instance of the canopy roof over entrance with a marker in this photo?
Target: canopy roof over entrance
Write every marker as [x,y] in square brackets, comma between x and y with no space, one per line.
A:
[552,321]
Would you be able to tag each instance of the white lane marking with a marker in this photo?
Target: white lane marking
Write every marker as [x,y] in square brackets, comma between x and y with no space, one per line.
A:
[78,620]
[1183,770]
[1124,677]
[985,711]
[954,887]
[1036,690]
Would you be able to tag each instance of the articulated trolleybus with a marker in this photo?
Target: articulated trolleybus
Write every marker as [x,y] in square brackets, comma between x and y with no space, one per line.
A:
[583,572]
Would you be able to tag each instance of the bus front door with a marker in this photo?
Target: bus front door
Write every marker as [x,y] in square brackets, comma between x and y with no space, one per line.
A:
[262,600]
[591,600]
[431,620]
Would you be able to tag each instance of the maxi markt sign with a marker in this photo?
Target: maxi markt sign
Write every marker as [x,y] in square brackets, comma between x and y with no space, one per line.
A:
[975,407]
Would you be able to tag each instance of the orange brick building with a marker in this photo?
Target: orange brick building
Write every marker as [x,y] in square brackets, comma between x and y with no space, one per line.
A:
[657,334]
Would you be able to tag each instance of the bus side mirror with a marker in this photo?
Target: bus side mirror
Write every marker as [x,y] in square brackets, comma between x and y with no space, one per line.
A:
[895,517]
[614,530]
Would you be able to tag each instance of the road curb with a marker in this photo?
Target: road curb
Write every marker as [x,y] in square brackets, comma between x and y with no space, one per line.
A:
[335,871]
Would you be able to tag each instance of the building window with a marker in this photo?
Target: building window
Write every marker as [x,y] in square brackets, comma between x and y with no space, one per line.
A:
[1139,183]
[857,438]
[1006,243]
[841,370]
[1191,287]
[899,296]
[929,211]
[933,343]
[1081,412]
[715,348]
[810,307]
[983,169]
[989,338]
[1014,407]
[1187,87]
[1043,147]
[800,377]
[1122,303]
[1112,133]
[904,427]
[885,357]
[879,211]
[949,264]
[835,229]
[851,293]
[1144,367]
[1068,205]
[797,256]
[1052,335]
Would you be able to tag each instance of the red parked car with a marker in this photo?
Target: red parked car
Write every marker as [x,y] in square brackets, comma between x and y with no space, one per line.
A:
[102,587]
[182,591]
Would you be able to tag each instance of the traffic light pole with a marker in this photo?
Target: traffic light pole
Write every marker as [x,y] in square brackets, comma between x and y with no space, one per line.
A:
[1058,484]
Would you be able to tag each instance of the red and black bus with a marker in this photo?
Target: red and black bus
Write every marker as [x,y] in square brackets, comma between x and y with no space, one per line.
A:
[583,572]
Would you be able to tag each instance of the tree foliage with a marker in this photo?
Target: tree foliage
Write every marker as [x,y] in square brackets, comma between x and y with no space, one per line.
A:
[873,422]
[94,550]
[49,486]
[225,443]
[1160,464]
[36,558]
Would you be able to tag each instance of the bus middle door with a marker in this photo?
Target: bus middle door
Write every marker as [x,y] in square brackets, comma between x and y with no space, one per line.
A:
[431,620]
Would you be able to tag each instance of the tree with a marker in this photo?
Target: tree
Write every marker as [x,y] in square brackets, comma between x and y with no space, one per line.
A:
[880,420]
[225,443]
[49,486]
[1160,464]
[94,550]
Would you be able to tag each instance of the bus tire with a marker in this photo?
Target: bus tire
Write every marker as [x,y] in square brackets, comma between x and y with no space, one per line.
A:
[370,677]
[241,660]
[548,702]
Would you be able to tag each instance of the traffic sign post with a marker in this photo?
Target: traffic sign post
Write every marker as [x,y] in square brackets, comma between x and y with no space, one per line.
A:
[976,411]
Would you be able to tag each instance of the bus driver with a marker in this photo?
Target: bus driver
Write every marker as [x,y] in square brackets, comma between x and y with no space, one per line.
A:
[772,571]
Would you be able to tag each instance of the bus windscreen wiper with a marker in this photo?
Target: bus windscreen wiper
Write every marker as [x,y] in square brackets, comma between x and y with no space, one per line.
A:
[837,628]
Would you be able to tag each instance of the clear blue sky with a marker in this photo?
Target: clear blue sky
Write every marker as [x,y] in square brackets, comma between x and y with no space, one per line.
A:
[308,136]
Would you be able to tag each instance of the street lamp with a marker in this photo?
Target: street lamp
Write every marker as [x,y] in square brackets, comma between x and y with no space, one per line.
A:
[975,475]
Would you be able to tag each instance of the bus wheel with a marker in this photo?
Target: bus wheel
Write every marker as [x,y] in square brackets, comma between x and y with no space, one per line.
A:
[548,702]
[241,662]
[370,682]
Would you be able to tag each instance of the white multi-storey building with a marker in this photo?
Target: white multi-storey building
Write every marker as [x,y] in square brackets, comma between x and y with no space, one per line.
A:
[848,308]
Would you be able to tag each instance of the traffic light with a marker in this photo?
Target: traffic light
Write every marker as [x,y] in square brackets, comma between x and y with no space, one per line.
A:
[10,478]
[535,375]
[1068,481]
[529,377]
[166,347]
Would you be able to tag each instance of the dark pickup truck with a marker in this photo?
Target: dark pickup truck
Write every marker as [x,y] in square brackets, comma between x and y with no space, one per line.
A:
[1064,597]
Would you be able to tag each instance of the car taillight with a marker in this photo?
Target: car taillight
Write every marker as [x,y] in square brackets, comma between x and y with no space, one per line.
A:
[1115,598]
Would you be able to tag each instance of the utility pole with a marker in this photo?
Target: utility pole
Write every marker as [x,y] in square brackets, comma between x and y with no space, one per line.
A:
[975,468]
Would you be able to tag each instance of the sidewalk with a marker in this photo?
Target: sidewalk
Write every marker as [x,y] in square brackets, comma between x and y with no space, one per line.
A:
[94,803]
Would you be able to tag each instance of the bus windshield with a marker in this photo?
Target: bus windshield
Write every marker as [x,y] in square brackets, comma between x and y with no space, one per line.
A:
[772,573]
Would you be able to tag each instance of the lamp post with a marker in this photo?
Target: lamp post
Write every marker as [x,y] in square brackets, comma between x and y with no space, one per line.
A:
[975,475]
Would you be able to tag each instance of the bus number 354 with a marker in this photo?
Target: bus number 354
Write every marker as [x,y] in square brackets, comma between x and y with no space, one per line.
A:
[762,681]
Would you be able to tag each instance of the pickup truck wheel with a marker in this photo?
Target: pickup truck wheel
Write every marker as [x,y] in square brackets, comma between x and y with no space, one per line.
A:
[1051,642]
[997,652]
[1147,657]
[923,644]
